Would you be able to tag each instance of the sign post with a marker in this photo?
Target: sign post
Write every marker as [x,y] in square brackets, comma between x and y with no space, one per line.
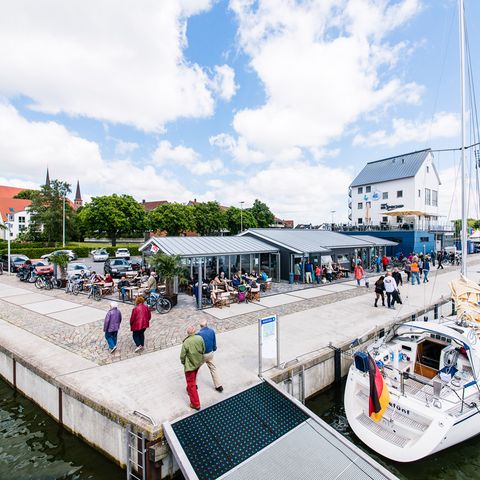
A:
[268,341]
[9,234]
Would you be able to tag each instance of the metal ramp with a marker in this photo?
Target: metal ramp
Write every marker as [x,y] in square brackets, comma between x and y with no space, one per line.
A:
[264,433]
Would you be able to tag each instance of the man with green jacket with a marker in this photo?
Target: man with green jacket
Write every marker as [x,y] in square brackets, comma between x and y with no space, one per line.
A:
[191,357]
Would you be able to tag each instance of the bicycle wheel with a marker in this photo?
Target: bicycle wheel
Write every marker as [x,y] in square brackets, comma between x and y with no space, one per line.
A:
[75,288]
[48,284]
[40,282]
[96,295]
[164,305]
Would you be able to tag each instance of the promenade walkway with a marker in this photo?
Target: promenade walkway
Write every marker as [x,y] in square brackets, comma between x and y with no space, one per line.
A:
[153,383]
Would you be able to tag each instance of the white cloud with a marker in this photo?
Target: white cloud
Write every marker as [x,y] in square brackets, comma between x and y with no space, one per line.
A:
[36,145]
[124,148]
[168,155]
[319,63]
[238,149]
[224,82]
[114,61]
[442,125]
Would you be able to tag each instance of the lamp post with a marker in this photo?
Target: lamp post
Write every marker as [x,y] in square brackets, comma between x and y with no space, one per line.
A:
[241,216]
[333,217]
[63,233]
[10,218]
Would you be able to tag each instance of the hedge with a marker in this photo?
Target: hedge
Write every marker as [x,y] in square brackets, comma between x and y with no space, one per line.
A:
[82,252]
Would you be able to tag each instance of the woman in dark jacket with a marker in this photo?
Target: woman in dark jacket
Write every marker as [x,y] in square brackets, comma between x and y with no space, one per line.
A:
[379,289]
[139,322]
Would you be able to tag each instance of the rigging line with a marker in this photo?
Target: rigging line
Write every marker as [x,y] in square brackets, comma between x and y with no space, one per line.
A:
[456,149]
[454,186]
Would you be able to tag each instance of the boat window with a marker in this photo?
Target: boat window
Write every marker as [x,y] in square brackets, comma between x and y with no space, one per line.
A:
[407,348]
[428,358]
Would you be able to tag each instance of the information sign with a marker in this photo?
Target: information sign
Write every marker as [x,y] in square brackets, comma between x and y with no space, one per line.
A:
[268,340]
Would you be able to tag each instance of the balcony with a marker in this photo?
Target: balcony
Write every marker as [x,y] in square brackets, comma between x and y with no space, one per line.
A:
[406,226]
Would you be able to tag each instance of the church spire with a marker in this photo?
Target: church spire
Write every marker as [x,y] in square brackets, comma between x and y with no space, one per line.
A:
[47,179]
[78,202]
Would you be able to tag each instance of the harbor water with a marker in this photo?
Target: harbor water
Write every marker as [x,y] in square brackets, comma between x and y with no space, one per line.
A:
[33,446]
[461,462]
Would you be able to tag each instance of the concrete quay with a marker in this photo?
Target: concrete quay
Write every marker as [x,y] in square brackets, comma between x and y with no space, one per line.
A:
[60,362]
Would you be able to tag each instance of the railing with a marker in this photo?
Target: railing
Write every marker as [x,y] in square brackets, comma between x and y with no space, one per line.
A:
[395,227]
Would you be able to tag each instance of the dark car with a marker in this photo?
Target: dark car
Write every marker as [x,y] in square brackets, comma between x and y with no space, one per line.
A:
[136,265]
[16,261]
[117,267]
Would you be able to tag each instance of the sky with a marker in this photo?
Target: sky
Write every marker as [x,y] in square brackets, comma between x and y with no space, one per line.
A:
[280,100]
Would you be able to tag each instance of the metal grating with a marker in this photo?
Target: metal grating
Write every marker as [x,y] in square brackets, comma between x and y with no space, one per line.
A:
[383,433]
[222,436]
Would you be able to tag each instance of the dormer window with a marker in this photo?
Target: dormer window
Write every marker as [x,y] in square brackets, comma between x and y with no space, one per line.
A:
[428,169]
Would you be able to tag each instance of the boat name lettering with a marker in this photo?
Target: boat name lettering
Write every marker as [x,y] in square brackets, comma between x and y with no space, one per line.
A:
[399,408]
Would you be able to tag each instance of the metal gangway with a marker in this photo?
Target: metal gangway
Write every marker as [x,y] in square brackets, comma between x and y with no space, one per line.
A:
[263,432]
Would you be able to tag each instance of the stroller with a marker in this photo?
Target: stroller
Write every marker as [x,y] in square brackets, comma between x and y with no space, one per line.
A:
[242,294]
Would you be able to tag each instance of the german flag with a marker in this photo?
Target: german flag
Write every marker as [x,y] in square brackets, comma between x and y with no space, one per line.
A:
[379,396]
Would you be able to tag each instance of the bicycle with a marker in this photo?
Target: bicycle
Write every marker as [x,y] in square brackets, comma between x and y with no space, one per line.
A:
[95,292]
[73,286]
[158,302]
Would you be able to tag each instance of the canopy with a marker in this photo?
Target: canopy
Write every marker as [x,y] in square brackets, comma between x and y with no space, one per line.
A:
[466,295]
[405,212]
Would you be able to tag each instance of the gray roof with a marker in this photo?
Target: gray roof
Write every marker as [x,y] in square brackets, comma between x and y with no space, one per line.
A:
[208,246]
[392,168]
[307,241]
[377,241]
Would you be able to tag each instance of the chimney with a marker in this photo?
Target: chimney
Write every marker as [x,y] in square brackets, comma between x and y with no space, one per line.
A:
[143,201]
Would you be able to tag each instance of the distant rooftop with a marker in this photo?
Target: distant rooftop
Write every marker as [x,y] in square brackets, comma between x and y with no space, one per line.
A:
[392,168]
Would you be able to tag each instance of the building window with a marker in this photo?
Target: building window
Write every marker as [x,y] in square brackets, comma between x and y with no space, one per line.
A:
[368,204]
[383,206]
[419,193]
[360,205]
[368,189]
[360,190]
[360,221]
[434,198]
[385,219]
[21,219]
[428,196]
[22,228]
[399,193]
[428,169]
[385,195]
[424,239]
[399,219]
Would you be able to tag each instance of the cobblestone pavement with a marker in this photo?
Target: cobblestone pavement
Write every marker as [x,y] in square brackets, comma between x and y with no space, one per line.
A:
[165,330]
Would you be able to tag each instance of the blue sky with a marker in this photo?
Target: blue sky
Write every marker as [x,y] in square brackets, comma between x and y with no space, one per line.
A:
[231,101]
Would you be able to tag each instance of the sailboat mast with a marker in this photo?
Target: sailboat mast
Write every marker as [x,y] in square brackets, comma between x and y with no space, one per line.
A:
[464,161]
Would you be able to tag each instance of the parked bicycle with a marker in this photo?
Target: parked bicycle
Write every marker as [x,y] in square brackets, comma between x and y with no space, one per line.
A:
[47,282]
[156,301]
[74,285]
[94,292]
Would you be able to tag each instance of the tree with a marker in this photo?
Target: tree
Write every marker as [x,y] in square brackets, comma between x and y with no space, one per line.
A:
[46,211]
[26,194]
[168,267]
[113,216]
[471,223]
[262,214]
[61,260]
[173,218]
[236,218]
[209,218]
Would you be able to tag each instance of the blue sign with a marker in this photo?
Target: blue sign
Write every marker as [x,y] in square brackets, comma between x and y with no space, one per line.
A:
[376,196]
[268,320]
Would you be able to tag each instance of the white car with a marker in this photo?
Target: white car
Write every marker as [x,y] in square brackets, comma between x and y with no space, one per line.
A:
[122,253]
[100,255]
[75,269]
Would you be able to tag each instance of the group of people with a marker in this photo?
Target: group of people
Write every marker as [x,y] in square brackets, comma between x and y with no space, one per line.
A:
[139,322]
[316,272]
[388,285]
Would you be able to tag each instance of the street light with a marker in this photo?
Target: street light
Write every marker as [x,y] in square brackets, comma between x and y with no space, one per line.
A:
[241,216]
[333,216]
[63,235]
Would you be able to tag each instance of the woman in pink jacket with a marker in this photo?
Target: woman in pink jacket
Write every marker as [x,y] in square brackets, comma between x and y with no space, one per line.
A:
[139,322]
[358,273]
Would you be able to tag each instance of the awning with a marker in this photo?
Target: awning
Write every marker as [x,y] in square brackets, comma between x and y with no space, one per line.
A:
[405,212]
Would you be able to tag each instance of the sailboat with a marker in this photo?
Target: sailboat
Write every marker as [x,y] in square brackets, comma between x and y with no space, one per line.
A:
[416,391]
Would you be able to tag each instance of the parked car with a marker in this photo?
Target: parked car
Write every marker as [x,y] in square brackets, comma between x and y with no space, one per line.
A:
[136,264]
[75,268]
[117,267]
[122,253]
[16,261]
[42,266]
[100,255]
[69,253]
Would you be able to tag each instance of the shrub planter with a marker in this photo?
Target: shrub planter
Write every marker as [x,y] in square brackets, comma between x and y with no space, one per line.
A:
[63,282]
[173,297]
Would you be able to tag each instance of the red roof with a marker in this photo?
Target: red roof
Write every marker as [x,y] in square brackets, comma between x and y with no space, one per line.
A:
[7,201]
[149,206]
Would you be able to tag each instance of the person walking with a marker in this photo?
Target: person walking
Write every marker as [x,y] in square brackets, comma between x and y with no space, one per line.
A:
[396,274]
[329,271]
[111,326]
[191,356]
[390,288]
[379,289]
[439,260]
[296,270]
[432,256]
[385,262]
[308,272]
[415,271]
[318,274]
[358,273]
[210,341]
[378,262]
[139,322]
[408,270]
[426,269]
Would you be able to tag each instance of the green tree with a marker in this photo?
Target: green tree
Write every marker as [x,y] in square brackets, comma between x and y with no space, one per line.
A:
[46,212]
[113,216]
[173,218]
[168,267]
[471,223]
[262,214]
[236,218]
[26,194]
[209,218]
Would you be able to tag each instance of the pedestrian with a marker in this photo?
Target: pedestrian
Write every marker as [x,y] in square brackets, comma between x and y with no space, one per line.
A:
[385,262]
[415,271]
[329,271]
[308,272]
[426,269]
[390,288]
[378,262]
[432,256]
[296,269]
[396,274]
[111,326]
[210,341]
[139,322]
[379,289]
[191,356]
[151,286]
[420,265]
[318,274]
[439,260]
[358,273]
[408,270]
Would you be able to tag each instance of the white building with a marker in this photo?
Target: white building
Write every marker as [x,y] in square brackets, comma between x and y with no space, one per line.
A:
[408,181]
[17,208]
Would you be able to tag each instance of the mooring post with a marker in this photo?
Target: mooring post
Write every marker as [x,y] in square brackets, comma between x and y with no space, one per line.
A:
[453,307]
[435,312]
[337,359]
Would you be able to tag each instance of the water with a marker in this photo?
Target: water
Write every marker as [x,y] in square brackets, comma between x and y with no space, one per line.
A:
[33,446]
[460,462]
